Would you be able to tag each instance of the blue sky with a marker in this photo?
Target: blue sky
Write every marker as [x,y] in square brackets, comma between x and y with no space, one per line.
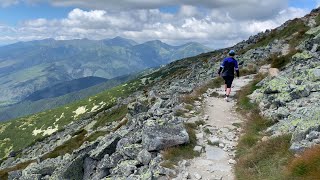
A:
[172,21]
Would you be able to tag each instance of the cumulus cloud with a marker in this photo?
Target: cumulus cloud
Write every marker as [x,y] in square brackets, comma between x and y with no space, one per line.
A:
[6,3]
[238,9]
[213,24]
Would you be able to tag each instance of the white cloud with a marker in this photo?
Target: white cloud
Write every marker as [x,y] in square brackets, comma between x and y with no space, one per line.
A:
[6,3]
[212,26]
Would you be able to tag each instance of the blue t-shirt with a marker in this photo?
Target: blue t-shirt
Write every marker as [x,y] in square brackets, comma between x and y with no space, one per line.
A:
[229,65]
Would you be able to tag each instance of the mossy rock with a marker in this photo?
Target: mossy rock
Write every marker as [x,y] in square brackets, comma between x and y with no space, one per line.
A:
[314,74]
[302,55]
[314,31]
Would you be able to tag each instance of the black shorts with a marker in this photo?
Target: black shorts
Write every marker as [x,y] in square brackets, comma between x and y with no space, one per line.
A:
[228,80]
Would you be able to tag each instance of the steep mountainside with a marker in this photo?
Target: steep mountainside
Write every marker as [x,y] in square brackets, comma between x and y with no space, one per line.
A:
[26,67]
[120,133]
[65,88]
[28,107]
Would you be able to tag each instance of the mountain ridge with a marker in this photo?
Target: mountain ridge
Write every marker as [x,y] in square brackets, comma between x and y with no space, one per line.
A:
[26,67]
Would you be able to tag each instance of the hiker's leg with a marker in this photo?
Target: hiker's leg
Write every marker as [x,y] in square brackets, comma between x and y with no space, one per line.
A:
[228,91]
[229,84]
[225,83]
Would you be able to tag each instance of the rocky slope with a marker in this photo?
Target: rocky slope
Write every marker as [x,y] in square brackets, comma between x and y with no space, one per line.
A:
[122,137]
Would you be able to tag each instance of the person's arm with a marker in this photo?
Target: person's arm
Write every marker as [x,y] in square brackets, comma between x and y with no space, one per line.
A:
[236,67]
[221,67]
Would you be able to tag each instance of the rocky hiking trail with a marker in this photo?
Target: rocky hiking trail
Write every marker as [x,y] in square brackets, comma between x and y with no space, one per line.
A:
[217,137]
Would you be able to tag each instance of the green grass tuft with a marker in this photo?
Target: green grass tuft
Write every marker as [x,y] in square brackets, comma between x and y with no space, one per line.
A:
[113,115]
[94,136]
[68,146]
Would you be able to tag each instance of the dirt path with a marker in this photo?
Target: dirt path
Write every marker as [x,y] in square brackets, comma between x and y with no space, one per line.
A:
[217,139]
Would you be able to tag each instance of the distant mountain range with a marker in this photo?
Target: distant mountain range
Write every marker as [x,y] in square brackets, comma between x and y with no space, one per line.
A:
[29,68]
[60,94]
[63,88]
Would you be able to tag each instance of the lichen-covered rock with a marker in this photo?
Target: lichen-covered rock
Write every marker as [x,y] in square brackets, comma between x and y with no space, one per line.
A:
[314,74]
[131,151]
[144,157]
[303,55]
[125,168]
[136,108]
[14,175]
[157,136]
[277,85]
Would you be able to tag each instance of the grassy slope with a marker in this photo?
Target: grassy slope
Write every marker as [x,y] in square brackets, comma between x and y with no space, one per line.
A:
[18,134]
[27,107]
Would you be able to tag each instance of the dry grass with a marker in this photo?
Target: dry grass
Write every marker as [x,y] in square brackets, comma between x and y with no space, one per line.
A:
[180,113]
[188,107]
[281,61]
[194,96]
[94,136]
[4,172]
[265,160]
[113,115]
[243,102]
[122,123]
[68,146]
[250,69]
[256,159]
[306,166]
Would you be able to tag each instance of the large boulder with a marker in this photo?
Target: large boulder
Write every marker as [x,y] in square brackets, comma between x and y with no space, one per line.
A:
[159,135]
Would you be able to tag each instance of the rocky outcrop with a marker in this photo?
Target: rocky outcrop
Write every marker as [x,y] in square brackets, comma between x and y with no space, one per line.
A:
[292,97]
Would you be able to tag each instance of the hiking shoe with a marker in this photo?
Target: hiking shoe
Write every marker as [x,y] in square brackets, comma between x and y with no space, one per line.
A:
[226,99]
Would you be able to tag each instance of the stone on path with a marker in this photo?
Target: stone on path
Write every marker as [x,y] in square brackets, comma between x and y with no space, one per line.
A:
[197,176]
[215,153]
[197,149]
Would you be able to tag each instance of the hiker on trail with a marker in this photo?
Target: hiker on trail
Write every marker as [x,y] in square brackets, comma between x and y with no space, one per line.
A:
[229,65]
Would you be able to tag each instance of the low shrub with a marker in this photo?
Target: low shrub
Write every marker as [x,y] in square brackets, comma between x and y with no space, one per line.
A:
[306,166]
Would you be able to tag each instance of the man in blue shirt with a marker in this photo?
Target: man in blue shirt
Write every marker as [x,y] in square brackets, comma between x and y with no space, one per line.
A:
[228,67]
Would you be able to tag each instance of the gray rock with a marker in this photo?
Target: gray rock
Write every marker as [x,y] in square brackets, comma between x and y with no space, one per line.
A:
[197,176]
[136,108]
[15,175]
[144,157]
[125,168]
[106,146]
[232,161]
[312,135]
[197,149]
[296,147]
[131,151]
[89,168]
[157,136]
[109,162]
[31,177]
